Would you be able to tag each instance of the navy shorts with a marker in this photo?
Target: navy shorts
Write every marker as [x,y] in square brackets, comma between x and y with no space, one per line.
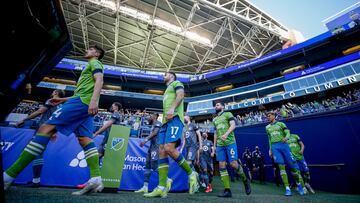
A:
[190,153]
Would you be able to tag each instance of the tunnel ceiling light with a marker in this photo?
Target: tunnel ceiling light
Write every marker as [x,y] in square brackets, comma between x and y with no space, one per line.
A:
[157,21]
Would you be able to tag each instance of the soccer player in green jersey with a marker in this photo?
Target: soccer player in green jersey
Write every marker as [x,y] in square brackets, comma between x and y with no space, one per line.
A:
[75,115]
[279,149]
[170,136]
[297,150]
[226,150]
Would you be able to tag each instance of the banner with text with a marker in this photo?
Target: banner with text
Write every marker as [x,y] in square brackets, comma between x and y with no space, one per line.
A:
[65,163]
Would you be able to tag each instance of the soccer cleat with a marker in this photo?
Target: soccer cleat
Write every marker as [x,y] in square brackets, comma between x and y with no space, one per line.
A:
[226,194]
[209,188]
[309,188]
[305,191]
[92,186]
[193,183]
[157,192]
[301,190]
[142,190]
[33,185]
[168,184]
[7,185]
[81,186]
[247,187]
[7,181]
[288,192]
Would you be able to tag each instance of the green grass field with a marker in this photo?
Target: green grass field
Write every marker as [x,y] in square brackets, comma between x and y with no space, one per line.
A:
[260,193]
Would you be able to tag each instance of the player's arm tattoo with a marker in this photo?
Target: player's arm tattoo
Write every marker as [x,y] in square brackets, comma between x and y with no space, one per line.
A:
[200,138]
[231,128]
[104,127]
[153,134]
[99,81]
[179,98]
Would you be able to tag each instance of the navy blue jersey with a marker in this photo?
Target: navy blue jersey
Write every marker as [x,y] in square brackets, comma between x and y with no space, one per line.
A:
[206,146]
[154,141]
[190,135]
[258,157]
[116,118]
[247,157]
[50,110]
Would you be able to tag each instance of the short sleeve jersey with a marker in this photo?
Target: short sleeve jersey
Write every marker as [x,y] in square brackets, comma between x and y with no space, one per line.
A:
[169,98]
[86,83]
[190,135]
[222,124]
[294,143]
[276,131]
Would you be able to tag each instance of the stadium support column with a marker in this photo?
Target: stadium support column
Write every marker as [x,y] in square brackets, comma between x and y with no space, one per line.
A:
[116,30]
[83,22]
[184,29]
[214,43]
[150,36]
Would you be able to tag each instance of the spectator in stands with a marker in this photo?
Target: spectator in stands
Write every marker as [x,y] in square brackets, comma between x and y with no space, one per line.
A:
[340,101]
[355,17]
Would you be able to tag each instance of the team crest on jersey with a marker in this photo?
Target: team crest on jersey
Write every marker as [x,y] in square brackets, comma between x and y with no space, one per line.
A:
[117,143]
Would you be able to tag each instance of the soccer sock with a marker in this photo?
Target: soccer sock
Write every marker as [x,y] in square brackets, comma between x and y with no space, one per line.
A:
[192,166]
[92,159]
[225,177]
[307,177]
[210,178]
[183,164]
[36,147]
[241,173]
[297,176]
[284,175]
[37,167]
[147,174]
[163,171]
[206,179]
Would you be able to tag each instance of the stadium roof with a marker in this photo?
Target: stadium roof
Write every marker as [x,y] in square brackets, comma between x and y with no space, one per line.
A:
[188,36]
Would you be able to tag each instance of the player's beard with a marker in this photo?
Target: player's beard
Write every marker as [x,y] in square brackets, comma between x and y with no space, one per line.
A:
[218,110]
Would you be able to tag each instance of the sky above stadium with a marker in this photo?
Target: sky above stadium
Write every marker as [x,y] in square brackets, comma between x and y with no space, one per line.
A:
[305,16]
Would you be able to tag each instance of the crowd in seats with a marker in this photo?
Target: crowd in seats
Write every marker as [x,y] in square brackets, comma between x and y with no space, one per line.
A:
[136,119]
[289,110]
[26,107]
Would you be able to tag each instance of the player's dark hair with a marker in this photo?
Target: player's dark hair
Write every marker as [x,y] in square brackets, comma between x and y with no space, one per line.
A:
[118,105]
[270,112]
[99,50]
[155,114]
[61,93]
[221,103]
[173,74]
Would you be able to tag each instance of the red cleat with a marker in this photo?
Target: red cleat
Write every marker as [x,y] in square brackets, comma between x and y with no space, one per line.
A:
[81,186]
[209,188]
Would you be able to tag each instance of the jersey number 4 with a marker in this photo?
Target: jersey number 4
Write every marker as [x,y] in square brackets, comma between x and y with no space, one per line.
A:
[56,114]
[174,131]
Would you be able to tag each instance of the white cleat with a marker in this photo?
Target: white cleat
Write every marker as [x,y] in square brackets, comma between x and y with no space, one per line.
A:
[7,181]
[91,187]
